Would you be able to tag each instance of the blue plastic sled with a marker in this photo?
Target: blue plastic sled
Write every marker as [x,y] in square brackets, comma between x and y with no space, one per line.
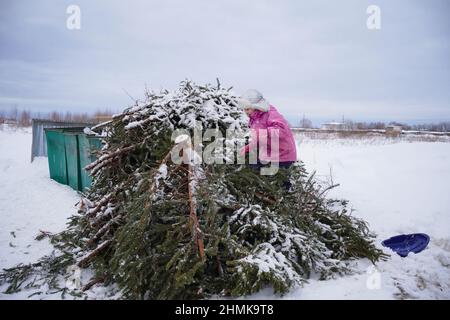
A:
[406,243]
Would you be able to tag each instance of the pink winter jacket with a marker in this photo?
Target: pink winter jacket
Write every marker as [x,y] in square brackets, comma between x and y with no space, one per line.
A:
[269,121]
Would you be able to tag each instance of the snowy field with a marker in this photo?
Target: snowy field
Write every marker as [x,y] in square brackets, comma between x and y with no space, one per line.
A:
[397,186]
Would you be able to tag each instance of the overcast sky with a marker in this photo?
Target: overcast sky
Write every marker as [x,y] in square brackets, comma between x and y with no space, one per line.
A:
[316,58]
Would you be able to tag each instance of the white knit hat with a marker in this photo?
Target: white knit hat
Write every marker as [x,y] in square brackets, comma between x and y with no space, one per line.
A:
[253,99]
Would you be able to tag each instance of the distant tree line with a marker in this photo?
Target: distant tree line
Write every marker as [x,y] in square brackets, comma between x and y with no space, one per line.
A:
[23,118]
[443,126]
[438,127]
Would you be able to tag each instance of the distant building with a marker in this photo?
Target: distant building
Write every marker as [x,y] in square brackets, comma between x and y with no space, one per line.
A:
[10,121]
[393,130]
[102,118]
[333,126]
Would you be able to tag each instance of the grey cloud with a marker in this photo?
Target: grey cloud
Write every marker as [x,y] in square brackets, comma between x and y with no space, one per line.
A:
[312,57]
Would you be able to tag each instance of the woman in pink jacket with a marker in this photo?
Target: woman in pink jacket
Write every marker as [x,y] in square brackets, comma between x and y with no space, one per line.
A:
[265,118]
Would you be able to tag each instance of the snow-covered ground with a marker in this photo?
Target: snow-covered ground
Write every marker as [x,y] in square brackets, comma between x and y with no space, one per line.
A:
[29,200]
[397,187]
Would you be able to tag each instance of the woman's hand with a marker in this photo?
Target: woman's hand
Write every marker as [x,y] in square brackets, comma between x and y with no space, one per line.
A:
[244,150]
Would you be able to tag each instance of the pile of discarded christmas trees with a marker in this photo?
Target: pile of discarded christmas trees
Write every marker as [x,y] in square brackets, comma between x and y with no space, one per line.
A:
[159,229]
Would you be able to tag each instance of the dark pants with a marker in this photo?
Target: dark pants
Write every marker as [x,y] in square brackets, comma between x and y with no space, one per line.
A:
[286,165]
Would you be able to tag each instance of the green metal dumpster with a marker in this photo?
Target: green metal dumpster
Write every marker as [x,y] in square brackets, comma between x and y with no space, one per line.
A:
[56,156]
[86,147]
[72,160]
[69,151]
